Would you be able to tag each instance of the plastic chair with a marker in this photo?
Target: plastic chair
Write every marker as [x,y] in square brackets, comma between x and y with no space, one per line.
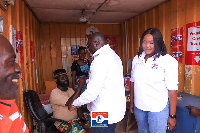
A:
[44,121]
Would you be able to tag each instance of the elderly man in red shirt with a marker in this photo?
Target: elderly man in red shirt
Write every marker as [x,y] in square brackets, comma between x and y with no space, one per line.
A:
[11,120]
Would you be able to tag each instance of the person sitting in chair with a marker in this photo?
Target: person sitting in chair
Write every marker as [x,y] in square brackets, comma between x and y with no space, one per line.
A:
[58,98]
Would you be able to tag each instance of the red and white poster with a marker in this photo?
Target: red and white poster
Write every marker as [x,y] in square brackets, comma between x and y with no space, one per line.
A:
[19,45]
[177,44]
[112,40]
[193,44]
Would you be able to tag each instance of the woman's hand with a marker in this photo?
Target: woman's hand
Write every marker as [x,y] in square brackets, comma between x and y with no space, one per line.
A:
[172,108]
[131,107]
[131,96]
[171,123]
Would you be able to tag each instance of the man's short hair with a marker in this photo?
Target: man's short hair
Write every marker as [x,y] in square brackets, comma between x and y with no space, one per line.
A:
[59,72]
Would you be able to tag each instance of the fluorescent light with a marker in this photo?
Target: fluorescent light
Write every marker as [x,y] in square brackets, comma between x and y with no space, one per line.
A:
[83,19]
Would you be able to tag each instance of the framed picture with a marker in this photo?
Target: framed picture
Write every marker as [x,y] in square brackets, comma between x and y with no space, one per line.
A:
[74,49]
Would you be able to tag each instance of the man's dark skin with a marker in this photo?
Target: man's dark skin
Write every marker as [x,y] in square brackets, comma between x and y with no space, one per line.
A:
[81,83]
[193,110]
[95,42]
[62,82]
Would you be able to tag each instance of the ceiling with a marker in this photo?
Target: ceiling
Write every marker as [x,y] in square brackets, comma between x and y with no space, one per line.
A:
[95,11]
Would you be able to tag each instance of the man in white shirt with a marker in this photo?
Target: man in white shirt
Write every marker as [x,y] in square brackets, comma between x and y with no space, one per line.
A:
[105,87]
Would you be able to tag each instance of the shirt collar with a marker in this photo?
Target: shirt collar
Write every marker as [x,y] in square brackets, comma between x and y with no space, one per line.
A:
[101,50]
[141,57]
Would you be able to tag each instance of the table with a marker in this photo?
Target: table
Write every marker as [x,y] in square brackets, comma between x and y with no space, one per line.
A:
[44,98]
[186,123]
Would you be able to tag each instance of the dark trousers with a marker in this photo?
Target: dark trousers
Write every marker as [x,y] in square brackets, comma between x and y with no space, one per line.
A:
[109,129]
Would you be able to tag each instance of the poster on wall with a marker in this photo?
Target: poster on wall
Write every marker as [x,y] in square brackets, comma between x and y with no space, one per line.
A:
[13,41]
[74,50]
[112,40]
[177,44]
[193,44]
[19,45]
[64,50]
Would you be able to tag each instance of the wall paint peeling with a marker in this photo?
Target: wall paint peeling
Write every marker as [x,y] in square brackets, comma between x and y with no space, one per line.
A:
[188,70]
[188,79]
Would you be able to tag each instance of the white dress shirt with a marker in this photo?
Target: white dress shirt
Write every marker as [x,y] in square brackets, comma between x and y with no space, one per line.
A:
[152,80]
[105,88]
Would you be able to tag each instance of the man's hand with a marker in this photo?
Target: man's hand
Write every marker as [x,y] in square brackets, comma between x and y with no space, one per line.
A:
[131,108]
[171,123]
[81,83]
[69,104]
[71,108]
[193,110]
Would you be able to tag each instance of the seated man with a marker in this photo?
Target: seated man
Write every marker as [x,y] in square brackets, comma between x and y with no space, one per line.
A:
[58,98]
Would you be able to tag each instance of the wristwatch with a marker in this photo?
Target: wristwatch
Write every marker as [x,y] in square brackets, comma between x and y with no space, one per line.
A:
[172,116]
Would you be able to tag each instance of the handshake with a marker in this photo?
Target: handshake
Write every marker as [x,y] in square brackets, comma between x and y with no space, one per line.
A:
[81,82]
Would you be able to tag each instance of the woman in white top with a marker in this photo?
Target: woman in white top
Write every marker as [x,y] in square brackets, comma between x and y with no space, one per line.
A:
[154,85]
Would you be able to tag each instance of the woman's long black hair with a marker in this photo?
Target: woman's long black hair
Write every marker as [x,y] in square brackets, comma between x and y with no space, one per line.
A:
[159,45]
